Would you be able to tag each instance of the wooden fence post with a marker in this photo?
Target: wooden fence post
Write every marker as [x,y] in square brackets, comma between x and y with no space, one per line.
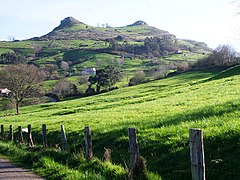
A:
[64,138]
[88,143]
[197,154]
[133,145]
[20,135]
[10,133]
[30,140]
[44,135]
[2,132]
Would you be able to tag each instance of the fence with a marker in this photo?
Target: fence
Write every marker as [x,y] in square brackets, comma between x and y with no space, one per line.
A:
[195,143]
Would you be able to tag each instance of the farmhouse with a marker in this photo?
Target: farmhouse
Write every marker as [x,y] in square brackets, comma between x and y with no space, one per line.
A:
[179,52]
[130,56]
[4,92]
[90,71]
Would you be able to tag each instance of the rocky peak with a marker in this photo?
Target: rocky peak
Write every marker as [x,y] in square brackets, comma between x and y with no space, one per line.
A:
[67,22]
[138,23]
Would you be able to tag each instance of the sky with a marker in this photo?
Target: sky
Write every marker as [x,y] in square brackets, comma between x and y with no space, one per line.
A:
[214,22]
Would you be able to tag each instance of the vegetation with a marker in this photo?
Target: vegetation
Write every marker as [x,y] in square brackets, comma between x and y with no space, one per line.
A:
[63,89]
[22,80]
[223,56]
[138,78]
[197,89]
[12,58]
[49,163]
[104,79]
[162,111]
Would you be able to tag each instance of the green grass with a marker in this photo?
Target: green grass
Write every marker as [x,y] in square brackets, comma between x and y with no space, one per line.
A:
[162,111]
[4,50]
[48,85]
[77,27]
[54,164]
[20,44]
[227,73]
[134,29]
[186,56]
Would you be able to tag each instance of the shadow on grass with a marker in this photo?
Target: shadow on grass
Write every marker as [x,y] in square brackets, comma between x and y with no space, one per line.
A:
[172,161]
[222,156]
[201,113]
[79,56]
[226,73]
[194,75]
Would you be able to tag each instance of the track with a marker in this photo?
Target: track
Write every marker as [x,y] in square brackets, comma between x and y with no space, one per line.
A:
[9,171]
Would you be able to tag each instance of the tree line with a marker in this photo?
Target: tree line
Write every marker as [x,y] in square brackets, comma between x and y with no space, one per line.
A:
[157,46]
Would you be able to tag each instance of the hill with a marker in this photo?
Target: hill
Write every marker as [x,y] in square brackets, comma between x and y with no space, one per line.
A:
[162,111]
[71,28]
[74,46]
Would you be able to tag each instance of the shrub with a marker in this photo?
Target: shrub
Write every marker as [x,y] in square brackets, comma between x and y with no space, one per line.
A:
[139,171]
[138,78]
[64,89]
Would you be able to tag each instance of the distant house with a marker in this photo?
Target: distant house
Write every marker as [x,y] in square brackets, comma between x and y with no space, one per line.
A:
[130,56]
[179,52]
[4,92]
[89,71]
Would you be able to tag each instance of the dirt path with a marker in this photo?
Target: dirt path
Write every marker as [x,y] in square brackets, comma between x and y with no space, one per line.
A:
[9,171]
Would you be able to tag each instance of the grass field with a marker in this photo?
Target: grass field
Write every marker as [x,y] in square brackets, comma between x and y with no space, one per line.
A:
[162,111]
[188,56]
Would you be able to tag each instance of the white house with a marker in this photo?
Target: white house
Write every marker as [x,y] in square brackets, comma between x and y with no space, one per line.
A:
[90,71]
[5,92]
[130,56]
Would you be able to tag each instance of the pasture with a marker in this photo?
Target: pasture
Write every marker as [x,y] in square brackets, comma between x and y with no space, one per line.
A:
[162,112]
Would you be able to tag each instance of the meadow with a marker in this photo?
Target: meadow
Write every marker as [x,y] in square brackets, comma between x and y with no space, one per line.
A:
[162,112]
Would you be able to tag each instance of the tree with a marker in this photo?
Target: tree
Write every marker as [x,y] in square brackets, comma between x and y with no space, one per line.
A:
[23,81]
[105,78]
[50,71]
[13,58]
[222,56]
[6,104]
[64,88]
[225,55]
[138,78]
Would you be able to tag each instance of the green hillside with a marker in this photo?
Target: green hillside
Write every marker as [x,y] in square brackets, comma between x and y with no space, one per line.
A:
[227,73]
[79,46]
[162,111]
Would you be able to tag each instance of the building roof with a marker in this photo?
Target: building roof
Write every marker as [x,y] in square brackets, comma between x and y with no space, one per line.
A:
[5,91]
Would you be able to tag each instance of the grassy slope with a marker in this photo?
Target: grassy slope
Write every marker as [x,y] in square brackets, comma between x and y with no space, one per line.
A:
[162,111]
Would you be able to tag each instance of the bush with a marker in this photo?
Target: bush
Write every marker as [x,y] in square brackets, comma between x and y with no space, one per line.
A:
[138,78]
[222,56]
[6,104]
[64,89]
[139,171]
[184,66]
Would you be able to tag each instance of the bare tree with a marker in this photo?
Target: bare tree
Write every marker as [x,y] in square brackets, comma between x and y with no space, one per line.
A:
[64,88]
[222,56]
[22,80]
[225,54]
[138,78]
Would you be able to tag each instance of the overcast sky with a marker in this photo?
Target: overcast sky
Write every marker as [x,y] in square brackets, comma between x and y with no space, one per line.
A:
[211,21]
